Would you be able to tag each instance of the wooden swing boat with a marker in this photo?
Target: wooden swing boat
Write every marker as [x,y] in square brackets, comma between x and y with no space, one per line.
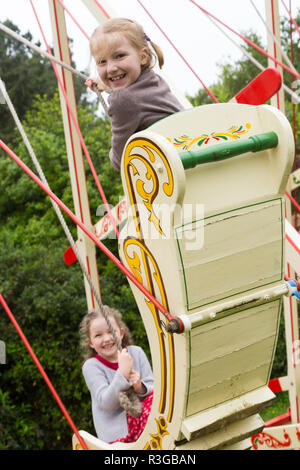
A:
[216,263]
[208,243]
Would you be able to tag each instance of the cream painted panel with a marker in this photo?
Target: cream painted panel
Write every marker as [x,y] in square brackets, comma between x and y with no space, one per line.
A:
[230,275]
[229,358]
[244,178]
[227,390]
[236,363]
[242,250]
[237,331]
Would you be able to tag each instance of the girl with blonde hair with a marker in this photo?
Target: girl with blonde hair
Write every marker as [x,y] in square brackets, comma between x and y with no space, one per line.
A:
[108,371]
[139,97]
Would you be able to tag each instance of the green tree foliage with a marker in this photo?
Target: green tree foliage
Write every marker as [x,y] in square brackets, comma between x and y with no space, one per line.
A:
[235,75]
[18,64]
[291,44]
[25,73]
[46,296]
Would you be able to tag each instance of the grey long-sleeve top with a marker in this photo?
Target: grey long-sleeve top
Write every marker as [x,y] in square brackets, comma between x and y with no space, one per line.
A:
[105,385]
[136,107]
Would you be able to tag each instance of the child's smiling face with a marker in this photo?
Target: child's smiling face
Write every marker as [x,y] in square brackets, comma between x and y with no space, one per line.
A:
[119,64]
[101,339]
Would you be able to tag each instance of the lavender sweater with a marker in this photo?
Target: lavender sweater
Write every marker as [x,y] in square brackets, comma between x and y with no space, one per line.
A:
[136,107]
[105,385]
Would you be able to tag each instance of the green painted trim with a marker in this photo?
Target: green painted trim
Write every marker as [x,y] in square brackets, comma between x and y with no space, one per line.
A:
[183,272]
[282,238]
[232,210]
[232,295]
[280,305]
[255,143]
[216,215]
[189,374]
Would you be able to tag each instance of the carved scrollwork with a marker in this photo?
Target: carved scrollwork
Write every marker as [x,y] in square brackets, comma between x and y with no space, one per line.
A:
[144,156]
[148,177]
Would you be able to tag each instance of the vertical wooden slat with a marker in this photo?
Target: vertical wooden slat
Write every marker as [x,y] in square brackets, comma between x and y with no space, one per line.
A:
[273,21]
[75,158]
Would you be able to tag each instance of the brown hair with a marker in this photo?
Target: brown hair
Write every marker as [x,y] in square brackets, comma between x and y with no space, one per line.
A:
[133,32]
[85,324]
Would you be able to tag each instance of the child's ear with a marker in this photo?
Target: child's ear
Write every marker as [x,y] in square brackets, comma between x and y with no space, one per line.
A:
[144,56]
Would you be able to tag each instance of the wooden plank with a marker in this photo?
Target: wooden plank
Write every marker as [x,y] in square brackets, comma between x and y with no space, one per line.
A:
[232,355]
[238,331]
[242,250]
[292,246]
[84,245]
[102,10]
[229,434]
[294,180]
[246,444]
[285,437]
[273,21]
[228,389]
[239,408]
[233,366]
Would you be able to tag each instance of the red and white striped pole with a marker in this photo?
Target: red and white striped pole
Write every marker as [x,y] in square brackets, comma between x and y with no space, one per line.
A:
[42,371]
[176,324]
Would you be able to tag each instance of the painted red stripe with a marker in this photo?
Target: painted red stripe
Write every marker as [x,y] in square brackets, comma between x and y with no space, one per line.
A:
[89,233]
[274,385]
[274,46]
[42,371]
[251,43]
[292,243]
[290,15]
[292,200]
[75,122]
[279,420]
[89,272]
[68,114]
[74,19]
[179,53]
[102,9]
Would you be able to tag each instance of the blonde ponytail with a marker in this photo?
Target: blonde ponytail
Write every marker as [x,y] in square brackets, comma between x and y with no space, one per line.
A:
[158,53]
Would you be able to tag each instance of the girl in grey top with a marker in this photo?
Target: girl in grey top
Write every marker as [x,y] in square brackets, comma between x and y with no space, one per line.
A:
[107,372]
[138,96]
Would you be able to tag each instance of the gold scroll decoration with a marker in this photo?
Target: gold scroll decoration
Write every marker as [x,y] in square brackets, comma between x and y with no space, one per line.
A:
[143,155]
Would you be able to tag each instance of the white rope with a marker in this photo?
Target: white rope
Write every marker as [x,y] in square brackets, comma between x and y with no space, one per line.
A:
[294,96]
[284,55]
[54,59]
[56,208]
[128,398]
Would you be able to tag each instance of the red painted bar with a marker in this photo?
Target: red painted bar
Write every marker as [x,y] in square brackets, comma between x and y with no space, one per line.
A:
[108,253]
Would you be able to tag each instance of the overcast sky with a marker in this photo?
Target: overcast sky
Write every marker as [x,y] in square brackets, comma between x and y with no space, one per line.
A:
[199,41]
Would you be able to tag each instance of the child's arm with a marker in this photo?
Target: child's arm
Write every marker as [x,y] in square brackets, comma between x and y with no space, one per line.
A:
[90,82]
[125,117]
[104,391]
[145,372]
[137,384]
[125,363]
